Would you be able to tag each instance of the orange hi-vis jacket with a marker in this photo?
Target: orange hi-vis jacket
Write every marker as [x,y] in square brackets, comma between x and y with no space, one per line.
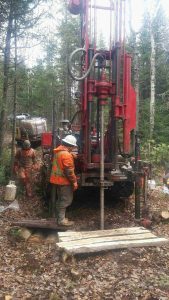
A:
[63,167]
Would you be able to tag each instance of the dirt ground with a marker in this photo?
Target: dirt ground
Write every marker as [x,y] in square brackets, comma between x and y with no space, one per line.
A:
[35,268]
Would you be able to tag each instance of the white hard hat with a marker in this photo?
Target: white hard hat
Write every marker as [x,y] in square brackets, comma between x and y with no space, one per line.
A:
[70,140]
[64,121]
[26,144]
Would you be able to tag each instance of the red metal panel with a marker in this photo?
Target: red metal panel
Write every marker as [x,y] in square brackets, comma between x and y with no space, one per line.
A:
[46,139]
[129,104]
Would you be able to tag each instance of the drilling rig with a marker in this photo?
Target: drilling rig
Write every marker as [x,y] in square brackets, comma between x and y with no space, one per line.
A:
[108,155]
[105,124]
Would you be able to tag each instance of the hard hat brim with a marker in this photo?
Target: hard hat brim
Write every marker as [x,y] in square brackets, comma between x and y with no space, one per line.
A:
[69,144]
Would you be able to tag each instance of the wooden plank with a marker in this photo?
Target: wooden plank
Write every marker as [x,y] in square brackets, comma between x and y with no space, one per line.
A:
[102,246]
[119,230]
[97,240]
[74,235]
[101,240]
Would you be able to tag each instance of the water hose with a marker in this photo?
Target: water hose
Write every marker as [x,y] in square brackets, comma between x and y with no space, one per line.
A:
[90,67]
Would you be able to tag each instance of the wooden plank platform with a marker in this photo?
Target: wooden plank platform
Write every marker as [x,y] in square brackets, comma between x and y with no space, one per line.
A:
[94,241]
[39,223]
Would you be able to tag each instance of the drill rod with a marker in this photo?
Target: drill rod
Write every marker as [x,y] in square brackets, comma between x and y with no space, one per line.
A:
[102,167]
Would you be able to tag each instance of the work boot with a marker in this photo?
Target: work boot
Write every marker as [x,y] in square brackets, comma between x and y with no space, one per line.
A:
[66,222]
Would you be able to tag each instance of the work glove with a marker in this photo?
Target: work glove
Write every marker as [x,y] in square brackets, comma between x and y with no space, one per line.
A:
[75,186]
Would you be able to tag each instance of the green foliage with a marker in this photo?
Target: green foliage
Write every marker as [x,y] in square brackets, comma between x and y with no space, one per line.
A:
[159,27]
[161,129]
[144,116]
[157,154]
[15,232]
[144,54]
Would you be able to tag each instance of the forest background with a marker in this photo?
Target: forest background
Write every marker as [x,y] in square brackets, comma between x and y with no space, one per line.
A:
[34,89]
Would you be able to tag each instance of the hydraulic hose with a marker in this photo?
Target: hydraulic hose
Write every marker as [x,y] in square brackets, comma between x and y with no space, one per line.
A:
[124,155]
[90,67]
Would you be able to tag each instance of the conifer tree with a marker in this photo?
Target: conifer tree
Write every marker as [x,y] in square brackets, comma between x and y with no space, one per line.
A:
[12,12]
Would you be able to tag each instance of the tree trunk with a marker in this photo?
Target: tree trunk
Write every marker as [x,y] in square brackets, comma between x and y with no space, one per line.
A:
[6,80]
[14,103]
[152,84]
[66,100]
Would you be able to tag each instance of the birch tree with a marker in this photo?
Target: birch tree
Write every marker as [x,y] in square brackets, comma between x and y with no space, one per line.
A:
[154,69]
[153,8]
[152,82]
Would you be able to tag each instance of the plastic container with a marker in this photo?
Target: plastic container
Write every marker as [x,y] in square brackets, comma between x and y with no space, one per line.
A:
[151,184]
[10,191]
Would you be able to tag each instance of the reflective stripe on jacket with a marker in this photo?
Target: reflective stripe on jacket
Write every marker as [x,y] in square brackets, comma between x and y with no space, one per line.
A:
[62,167]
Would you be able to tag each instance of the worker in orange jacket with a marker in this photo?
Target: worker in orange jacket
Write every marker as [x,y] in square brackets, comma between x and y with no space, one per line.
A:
[25,162]
[63,176]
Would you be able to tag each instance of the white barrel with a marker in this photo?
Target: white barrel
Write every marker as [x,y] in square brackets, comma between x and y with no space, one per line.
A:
[10,191]
[151,184]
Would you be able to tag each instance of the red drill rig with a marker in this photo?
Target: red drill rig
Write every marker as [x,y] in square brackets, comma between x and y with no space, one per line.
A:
[107,116]
[108,154]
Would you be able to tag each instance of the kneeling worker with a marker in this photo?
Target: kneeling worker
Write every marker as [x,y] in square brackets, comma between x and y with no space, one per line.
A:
[63,176]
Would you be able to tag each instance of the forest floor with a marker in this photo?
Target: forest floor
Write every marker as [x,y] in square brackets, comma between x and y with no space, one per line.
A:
[35,268]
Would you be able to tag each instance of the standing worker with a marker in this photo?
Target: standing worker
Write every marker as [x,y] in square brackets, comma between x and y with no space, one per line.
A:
[25,162]
[65,129]
[63,176]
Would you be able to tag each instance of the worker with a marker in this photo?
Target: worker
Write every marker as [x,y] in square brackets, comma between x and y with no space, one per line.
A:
[64,130]
[63,176]
[24,163]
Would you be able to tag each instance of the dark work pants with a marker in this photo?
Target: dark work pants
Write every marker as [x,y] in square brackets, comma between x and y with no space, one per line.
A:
[64,199]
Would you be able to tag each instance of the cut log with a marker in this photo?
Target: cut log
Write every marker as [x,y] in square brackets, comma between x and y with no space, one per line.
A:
[41,223]
[24,233]
[165,215]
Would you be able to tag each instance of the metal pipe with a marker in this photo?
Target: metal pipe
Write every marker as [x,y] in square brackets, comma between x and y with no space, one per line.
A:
[52,205]
[89,131]
[145,191]
[101,167]
[137,197]
[95,26]
[98,125]
[137,179]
